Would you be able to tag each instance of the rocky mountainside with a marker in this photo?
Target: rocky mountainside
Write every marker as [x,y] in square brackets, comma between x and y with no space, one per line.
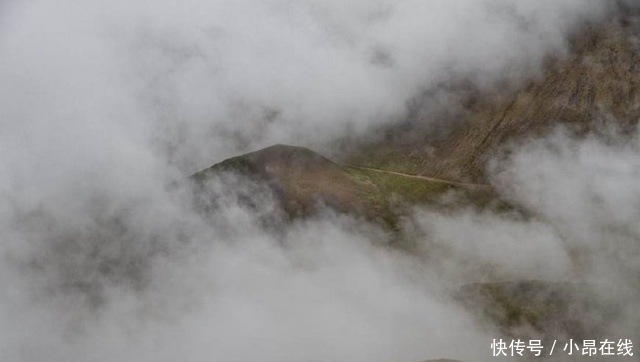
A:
[596,86]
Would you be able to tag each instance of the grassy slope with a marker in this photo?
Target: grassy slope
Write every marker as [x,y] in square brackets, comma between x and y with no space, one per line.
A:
[303,178]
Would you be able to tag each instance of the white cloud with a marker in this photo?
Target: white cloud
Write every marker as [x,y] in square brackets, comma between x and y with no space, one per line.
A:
[105,103]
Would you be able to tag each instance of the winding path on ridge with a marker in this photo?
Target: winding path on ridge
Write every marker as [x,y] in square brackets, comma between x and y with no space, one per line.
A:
[424,178]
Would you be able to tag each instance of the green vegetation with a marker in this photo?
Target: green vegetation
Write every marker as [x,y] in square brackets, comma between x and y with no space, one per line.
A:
[389,186]
[392,194]
[389,194]
[301,178]
[388,156]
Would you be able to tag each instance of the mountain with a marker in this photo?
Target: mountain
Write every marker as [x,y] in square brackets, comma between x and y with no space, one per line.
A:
[301,178]
[303,181]
[593,89]
[596,86]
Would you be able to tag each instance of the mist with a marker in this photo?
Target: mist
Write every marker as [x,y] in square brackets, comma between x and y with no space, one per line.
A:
[108,106]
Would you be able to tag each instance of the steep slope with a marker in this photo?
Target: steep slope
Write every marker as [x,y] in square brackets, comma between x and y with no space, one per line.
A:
[596,86]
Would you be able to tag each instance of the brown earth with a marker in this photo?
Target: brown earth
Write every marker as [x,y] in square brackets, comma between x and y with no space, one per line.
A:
[595,87]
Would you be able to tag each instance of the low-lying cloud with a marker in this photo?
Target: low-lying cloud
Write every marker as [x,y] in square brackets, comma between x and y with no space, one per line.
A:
[108,105]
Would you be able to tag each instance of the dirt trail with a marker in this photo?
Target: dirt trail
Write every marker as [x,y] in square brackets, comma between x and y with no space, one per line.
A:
[425,178]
